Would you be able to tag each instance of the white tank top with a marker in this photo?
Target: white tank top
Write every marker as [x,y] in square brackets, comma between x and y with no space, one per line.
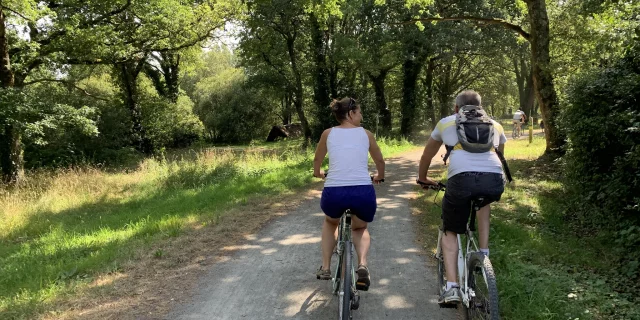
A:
[348,157]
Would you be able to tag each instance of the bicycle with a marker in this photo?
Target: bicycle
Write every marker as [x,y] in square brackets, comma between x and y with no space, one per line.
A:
[476,276]
[344,280]
[517,132]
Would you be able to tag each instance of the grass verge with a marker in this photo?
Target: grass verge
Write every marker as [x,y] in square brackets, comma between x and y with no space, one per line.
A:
[545,270]
[62,230]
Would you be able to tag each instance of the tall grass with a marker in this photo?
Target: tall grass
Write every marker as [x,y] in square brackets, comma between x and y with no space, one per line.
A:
[60,229]
[545,270]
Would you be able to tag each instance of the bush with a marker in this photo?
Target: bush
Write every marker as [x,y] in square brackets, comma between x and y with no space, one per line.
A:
[603,160]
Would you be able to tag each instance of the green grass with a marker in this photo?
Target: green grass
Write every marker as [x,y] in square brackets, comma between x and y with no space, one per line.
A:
[545,270]
[62,229]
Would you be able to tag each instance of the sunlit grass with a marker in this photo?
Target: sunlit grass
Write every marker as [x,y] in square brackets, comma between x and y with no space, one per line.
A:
[60,229]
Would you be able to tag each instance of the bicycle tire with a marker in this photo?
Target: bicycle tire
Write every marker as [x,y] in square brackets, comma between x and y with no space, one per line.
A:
[441,270]
[345,284]
[485,303]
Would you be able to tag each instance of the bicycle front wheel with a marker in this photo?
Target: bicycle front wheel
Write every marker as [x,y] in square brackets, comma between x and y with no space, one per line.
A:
[483,302]
[345,284]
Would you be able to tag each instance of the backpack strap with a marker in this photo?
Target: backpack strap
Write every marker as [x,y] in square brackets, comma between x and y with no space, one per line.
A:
[446,155]
[507,172]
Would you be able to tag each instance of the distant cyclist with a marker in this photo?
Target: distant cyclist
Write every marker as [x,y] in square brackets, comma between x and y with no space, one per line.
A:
[470,174]
[348,185]
[519,117]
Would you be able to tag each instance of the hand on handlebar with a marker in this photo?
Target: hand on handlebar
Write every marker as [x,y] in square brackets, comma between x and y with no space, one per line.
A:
[376,179]
[430,184]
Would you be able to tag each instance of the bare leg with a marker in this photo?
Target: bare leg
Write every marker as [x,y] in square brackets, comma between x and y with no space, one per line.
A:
[361,239]
[483,226]
[329,228]
[450,251]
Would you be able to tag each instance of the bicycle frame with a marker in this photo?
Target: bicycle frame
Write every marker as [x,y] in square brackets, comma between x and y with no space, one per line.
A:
[471,246]
[344,235]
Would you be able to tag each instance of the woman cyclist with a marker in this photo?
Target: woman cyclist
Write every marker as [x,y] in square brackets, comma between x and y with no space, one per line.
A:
[348,186]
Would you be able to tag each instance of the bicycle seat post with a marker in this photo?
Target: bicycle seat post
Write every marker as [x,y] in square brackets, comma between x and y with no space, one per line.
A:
[475,206]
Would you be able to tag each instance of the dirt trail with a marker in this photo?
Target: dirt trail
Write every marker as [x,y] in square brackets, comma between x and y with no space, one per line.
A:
[271,275]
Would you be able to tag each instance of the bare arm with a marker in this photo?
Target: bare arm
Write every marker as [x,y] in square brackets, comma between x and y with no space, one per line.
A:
[321,152]
[430,150]
[501,148]
[376,155]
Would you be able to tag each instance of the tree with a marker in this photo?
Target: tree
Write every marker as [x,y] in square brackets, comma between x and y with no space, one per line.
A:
[45,44]
[540,59]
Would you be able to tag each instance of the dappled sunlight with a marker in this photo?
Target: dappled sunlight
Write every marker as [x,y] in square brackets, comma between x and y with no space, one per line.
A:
[412,250]
[387,218]
[403,260]
[313,300]
[231,279]
[268,239]
[269,251]
[397,302]
[384,282]
[299,239]
[241,247]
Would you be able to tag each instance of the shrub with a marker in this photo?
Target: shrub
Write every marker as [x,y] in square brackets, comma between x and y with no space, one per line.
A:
[602,164]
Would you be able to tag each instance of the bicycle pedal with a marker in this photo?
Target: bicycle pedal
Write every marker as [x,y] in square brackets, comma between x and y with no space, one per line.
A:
[362,286]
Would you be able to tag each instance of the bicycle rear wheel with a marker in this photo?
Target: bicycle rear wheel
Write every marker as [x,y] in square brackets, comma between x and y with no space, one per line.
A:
[345,284]
[441,270]
[482,282]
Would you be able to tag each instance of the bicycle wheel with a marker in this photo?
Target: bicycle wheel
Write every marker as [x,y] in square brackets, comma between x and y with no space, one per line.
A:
[514,133]
[345,284]
[482,282]
[441,270]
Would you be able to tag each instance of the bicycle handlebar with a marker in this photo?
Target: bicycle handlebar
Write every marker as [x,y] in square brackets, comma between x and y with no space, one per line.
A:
[438,187]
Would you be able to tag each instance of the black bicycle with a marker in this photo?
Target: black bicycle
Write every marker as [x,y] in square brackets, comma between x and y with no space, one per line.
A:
[344,280]
[475,273]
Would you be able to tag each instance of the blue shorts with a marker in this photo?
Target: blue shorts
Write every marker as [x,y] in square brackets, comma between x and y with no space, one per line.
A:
[360,199]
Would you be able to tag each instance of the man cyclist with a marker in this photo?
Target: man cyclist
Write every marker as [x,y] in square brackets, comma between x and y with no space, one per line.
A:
[469,175]
[519,117]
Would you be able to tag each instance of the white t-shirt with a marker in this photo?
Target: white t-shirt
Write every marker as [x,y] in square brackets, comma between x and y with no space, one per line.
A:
[518,115]
[463,161]
[348,157]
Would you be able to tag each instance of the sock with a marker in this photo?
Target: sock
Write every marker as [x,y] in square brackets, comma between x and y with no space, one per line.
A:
[452,284]
[485,252]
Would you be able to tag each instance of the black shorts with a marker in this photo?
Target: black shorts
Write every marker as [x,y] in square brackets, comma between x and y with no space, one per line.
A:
[461,189]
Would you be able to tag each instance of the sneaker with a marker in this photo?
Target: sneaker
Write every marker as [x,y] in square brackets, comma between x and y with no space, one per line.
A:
[364,279]
[450,296]
[323,274]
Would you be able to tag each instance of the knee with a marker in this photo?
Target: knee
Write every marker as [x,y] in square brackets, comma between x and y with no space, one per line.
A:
[331,221]
[359,228]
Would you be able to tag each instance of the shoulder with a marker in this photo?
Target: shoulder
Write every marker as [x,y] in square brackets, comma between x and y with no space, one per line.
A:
[369,134]
[498,126]
[446,122]
[325,133]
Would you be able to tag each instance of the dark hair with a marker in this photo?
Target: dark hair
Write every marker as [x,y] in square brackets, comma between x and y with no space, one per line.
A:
[341,108]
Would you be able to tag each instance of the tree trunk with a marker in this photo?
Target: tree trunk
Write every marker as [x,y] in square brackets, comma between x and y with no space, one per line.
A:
[384,113]
[171,69]
[428,84]
[542,77]
[11,153]
[298,90]
[410,70]
[321,96]
[128,73]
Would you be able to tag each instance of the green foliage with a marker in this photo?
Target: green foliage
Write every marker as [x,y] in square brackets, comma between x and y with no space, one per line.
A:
[230,107]
[46,124]
[171,124]
[603,126]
